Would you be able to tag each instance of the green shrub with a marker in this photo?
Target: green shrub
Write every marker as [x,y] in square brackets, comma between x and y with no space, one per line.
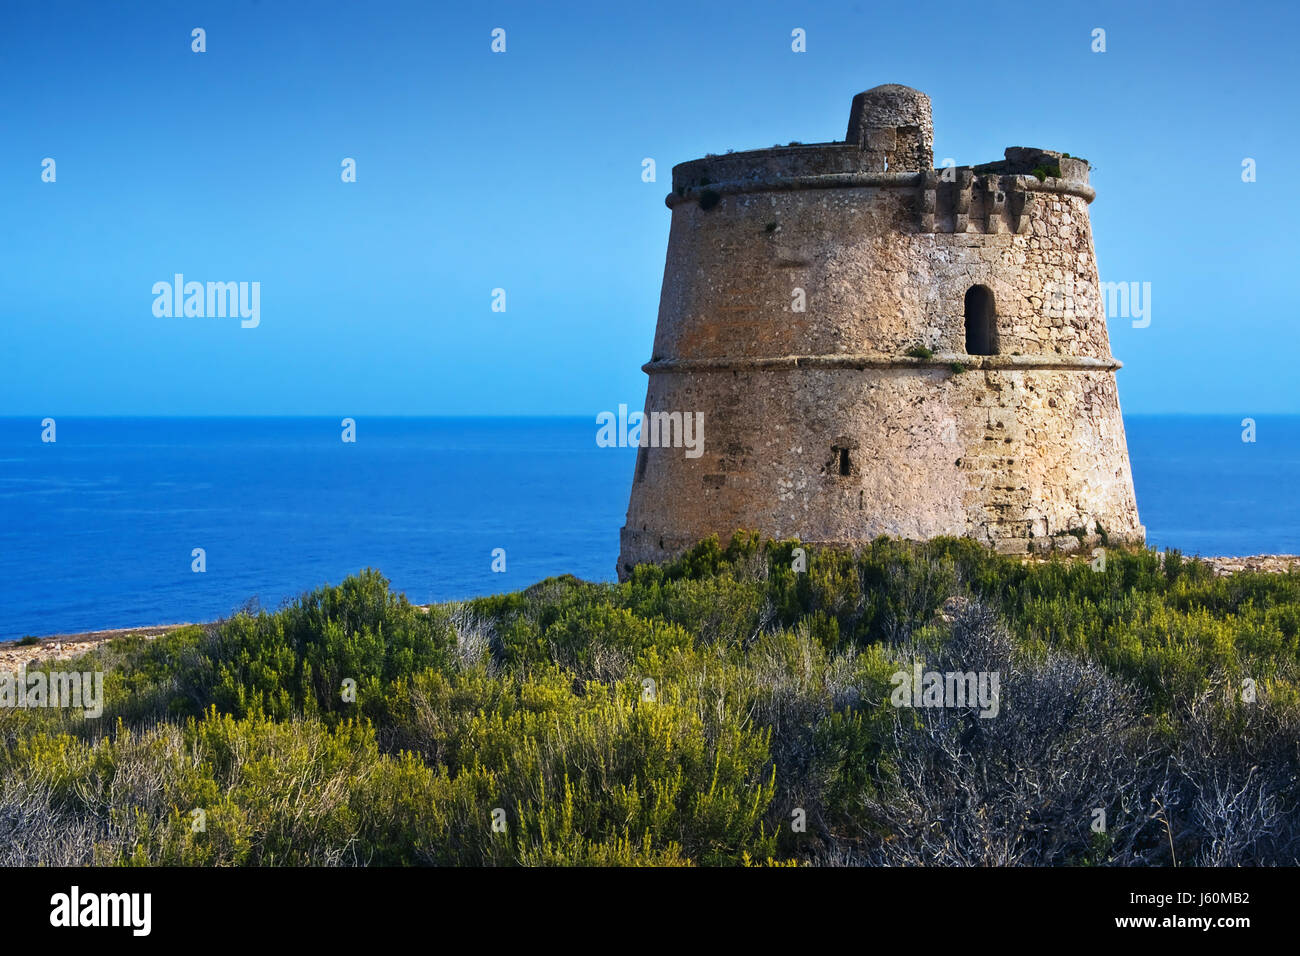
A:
[689,715]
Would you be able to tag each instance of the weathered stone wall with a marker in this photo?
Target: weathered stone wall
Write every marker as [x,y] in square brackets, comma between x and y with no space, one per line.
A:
[872,282]
[1012,457]
[1024,450]
[891,124]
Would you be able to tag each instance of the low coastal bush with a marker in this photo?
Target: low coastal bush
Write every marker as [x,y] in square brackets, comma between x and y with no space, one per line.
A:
[735,706]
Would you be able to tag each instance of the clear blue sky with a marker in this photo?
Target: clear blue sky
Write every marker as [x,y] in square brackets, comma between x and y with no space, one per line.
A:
[523,171]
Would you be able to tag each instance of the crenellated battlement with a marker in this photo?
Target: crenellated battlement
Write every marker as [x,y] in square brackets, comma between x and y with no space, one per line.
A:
[889,145]
[1002,196]
[983,199]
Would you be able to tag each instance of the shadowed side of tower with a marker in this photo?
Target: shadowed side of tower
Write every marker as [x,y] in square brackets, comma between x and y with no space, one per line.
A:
[876,347]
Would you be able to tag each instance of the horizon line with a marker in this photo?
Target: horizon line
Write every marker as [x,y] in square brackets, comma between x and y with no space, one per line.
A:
[501,415]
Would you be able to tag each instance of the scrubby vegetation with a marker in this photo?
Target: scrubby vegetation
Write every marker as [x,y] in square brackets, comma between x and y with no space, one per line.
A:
[724,709]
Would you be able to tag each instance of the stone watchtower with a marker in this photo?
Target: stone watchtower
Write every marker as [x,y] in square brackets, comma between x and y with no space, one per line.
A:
[880,347]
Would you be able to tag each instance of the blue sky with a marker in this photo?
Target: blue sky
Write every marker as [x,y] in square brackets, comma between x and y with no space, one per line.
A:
[523,171]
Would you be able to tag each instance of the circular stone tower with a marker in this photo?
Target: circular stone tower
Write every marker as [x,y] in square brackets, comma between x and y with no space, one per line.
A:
[867,345]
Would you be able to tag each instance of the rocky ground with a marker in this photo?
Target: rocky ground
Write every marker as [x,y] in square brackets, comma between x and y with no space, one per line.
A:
[1271,563]
[62,647]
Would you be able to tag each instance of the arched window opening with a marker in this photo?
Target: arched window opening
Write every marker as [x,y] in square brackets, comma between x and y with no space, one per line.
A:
[841,462]
[981,322]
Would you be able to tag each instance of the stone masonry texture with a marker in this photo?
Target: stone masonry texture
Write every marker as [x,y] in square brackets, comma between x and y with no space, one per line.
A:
[798,280]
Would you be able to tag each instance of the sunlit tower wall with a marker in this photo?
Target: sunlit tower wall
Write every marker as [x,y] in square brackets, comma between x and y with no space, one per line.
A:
[879,347]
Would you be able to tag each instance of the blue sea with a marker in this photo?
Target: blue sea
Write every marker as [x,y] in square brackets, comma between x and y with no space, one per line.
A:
[97,529]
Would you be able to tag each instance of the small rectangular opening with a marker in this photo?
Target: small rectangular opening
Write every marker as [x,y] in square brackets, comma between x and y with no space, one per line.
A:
[846,467]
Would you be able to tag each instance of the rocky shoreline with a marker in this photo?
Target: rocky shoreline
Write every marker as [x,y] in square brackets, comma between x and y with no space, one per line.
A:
[62,647]
[1268,563]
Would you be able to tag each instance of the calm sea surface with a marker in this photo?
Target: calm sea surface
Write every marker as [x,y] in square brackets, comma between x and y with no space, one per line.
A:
[97,529]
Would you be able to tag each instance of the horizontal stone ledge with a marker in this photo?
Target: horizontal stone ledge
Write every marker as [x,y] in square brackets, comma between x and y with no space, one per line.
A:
[1065,187]
[1082,363]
